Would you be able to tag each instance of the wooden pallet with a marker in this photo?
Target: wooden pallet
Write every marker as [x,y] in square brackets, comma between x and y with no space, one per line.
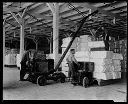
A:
[102,82]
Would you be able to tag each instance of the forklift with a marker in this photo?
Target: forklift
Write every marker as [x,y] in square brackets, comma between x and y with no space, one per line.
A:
[45,68]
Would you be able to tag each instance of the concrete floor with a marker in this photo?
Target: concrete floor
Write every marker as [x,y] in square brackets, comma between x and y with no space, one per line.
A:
[13,89]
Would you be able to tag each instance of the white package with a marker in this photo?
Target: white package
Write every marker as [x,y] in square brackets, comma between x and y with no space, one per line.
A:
[117,56]
[116,62]
[117,68]
[103,68]
[82,54]
[81,59]
[101,54]
[95,44]
[116,75]
[104,76]
[102,61]
[85,38]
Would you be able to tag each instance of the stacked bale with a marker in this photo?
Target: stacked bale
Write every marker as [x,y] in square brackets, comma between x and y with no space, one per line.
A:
[83,43]
[107,64]
[103,64]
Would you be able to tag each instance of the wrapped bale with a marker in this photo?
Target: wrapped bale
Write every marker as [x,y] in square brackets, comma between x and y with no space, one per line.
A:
[103,68]
[103,76]
[117,56]
[101,54]
[101,61]
[95,44]
[116,75]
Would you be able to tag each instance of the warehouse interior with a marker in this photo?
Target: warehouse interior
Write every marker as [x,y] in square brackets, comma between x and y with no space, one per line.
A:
[49,28]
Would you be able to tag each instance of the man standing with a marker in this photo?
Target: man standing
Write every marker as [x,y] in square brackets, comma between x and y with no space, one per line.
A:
[71,63]
[27,57]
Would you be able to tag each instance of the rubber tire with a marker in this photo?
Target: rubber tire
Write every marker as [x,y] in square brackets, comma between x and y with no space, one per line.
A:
[41,81]
[85,82]
[62,80]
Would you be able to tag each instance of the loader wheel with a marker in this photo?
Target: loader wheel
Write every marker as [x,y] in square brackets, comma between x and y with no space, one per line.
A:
[85,82]
[41,81]
[62,80]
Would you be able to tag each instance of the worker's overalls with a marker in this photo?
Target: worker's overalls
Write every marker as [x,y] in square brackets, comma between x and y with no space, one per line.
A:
[72,70]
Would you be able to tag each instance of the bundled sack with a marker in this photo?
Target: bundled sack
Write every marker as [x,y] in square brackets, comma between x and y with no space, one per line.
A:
[117,56]
[102,61]
[95,44]
[117,67]
[104,76]
[81,59]
[103,68]
[116,75]
[101,54]
[116,62]
[85,38]
[82,54]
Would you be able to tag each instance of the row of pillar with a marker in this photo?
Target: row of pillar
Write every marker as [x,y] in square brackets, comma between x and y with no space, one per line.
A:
[22,25]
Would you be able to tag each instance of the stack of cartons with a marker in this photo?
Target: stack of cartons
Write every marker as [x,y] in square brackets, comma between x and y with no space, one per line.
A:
[10,59]
[102,64]
[107,64]
[117,65]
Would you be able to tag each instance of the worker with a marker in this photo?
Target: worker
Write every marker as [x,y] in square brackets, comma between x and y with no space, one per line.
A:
[27,57]
[72,62]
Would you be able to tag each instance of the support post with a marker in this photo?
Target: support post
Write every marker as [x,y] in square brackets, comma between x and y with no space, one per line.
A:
[3,43]
[22,38]
[56,33]
[51,43]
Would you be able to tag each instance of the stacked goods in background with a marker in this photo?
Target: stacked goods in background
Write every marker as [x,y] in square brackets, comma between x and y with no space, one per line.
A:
[65,43]
[10,57]
[123,51]
[107,64]
[102,64]
[120,46]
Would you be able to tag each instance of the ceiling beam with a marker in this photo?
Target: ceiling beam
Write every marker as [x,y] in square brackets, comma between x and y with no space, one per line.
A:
[51,7]
[93,8]
[116,9]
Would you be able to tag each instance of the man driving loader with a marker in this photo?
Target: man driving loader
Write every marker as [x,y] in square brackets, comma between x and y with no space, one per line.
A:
[72,62]
[27,57]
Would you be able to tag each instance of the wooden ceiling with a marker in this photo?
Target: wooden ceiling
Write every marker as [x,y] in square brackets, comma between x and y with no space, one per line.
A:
[38,18]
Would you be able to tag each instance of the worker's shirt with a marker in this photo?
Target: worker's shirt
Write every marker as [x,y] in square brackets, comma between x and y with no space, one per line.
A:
[71,58]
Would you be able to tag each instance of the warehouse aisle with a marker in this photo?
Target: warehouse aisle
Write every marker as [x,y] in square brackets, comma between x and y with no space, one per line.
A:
[16,90]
